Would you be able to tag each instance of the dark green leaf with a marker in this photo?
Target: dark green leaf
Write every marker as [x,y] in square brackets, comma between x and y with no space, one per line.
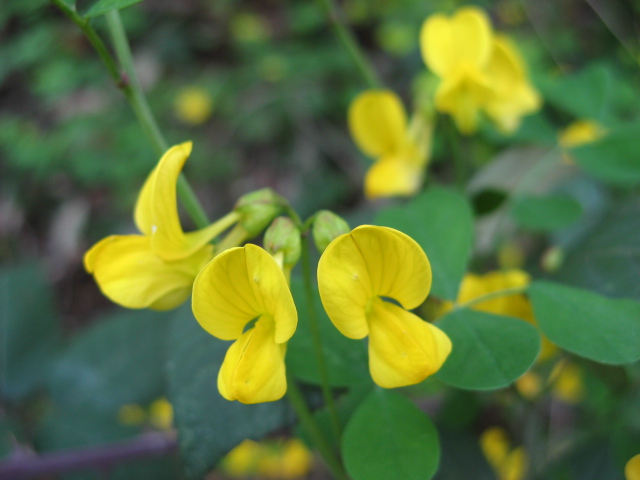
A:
[545,213]
[615,158]
[29,329]
[345,359]
[441,221]
[588,324]
[487,201]
[489,351]
[100,7]
[389,437]
[208,425]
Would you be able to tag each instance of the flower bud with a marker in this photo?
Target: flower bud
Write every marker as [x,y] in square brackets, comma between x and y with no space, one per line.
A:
[326,227]
[283,236]
[257,209]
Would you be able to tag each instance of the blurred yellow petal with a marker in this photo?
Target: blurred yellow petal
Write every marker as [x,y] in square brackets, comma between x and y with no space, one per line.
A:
[464,39]
[393,176]
[161,414]
[632,469]
[243,459]
[239,285]
[495,445]
[131,414]
[253,370]
[193,105]
[580,132]
[403,349]
[377,122]
[129,273]
[370,261]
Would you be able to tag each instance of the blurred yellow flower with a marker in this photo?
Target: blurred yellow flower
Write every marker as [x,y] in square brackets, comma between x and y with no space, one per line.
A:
[567,382]
[161,414]
[508,463]
[243,460]
[155,269]
[248,28]
[284,460]
[632,469]
[131,414]
[479,71]
[378,124]
[580,132]
[358,274]
[193,105]
[242,285]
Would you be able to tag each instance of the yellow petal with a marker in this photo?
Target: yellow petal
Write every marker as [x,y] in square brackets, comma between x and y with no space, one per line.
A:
[632,469]
[495,445]
[239,285]
[130,274]
[370,261]
[377,122]
[253,370]
[446,43]
[403,349]
[392,176]
[580,132]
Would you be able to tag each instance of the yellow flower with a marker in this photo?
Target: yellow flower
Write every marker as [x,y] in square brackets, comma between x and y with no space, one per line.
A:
[567,382]
[193,105]
[632,469]
[360,274]
[479,71]
[285,461]
[508,463]
[240,285]
[131,414]
[161,414]
[243,460]
[378,125]
[580,132]
[155,269]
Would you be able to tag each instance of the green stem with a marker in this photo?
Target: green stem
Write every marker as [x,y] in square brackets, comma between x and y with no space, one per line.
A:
[317,338]
[308,422]
[490,296]
[459,162]
[350,44]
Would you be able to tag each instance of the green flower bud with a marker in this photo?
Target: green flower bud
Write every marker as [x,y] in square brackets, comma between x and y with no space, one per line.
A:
[283,236]
[257,209]
[326,227]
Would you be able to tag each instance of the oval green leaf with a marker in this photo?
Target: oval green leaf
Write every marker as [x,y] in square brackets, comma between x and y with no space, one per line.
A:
[489,351]
[588,324]
[389,437]
[545,213]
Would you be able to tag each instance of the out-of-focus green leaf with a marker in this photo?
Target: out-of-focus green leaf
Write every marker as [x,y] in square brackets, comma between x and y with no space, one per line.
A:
[545,213]
[345,359]
[588,324]
[441,221]
[208,425]
[489,351]
[100,7]
[389,437]
[29,330]
[615,158]
[118,360]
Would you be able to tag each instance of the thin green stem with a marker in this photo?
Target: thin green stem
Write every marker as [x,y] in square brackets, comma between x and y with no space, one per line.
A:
[490,296]
[459,162]
[350,44]
[317,338]
[309,424]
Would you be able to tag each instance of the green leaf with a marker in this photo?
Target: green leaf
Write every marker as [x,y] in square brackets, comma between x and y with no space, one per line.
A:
[100,7]
[588,324]
[441,221]
[345,359]
[208,425]
[615,158]
[389,437]
[489,351]
[117,360]
[545,213]
[29,330]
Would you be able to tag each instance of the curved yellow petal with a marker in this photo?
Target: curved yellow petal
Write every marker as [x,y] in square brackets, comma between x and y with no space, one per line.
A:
[377,122]
[129,273]
[368,262]
[393,176]
[253,370]
[464,39]
[239,285]
[403,349]
[632,468]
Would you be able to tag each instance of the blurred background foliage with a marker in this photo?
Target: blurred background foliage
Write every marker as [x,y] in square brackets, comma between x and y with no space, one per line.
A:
[262,88]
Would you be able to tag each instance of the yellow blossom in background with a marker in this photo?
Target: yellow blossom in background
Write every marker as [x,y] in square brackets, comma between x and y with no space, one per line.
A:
[579,133]
[632,468]
[269,459]
[193,105]
[161,414]
[238,286]
[529,385]
[508,463]
[155,269]
[357,274]
[567,382]
[249,28]
[379,127]
[132,414]
[243,460]
[478,71]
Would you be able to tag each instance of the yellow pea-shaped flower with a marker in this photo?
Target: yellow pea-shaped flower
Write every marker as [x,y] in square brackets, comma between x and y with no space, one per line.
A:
[368,279]
[241,285]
